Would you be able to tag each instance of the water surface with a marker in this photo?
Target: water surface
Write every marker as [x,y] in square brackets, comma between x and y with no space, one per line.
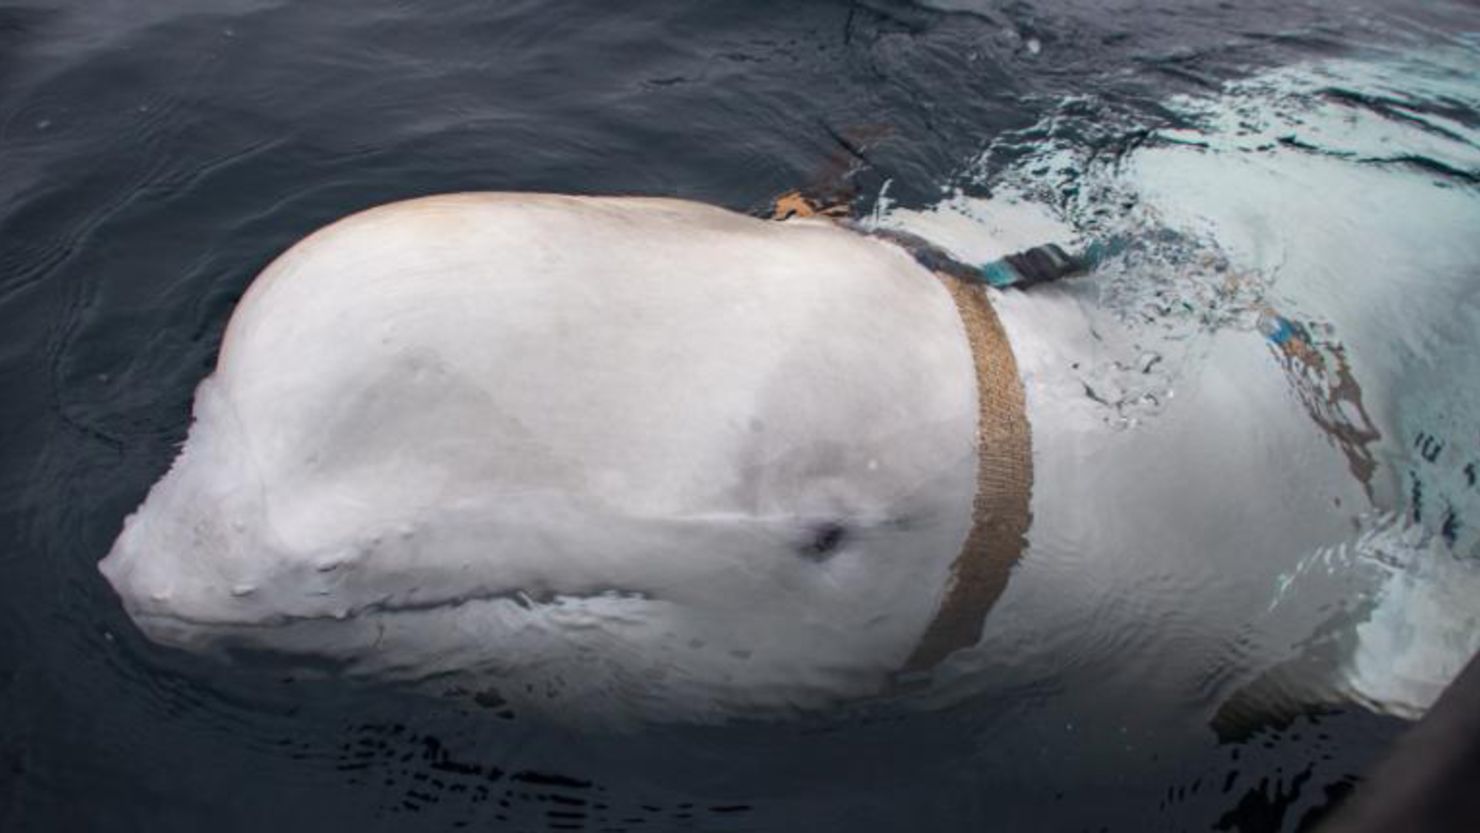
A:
[156,156]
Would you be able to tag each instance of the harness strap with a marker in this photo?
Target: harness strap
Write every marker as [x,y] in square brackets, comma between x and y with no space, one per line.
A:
[1004,484]
[1000,510]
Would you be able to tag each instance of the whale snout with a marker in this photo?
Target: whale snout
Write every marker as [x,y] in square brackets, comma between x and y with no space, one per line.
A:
[192,574]
[176,596]
[182,599]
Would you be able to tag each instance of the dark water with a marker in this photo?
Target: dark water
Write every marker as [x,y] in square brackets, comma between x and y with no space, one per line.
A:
[155,155]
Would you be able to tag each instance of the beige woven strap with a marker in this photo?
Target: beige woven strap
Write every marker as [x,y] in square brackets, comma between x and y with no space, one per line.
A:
[1004,484]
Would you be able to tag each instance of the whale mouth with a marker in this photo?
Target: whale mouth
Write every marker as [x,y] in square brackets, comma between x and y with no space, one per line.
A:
[528,599]
[239,636]
[470,645]
[236,640]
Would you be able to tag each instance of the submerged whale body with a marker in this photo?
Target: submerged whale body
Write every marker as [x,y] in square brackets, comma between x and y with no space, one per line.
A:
[648,459]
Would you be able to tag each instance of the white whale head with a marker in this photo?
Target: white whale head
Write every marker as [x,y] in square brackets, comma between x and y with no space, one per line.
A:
[613,456]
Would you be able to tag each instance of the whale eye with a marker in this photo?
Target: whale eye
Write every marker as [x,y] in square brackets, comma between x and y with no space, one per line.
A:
[823,541]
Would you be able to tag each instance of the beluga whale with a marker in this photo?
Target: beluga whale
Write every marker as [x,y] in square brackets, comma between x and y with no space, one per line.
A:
[647,459]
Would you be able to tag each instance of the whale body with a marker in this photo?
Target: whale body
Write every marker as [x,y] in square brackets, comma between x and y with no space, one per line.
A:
[629,458]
